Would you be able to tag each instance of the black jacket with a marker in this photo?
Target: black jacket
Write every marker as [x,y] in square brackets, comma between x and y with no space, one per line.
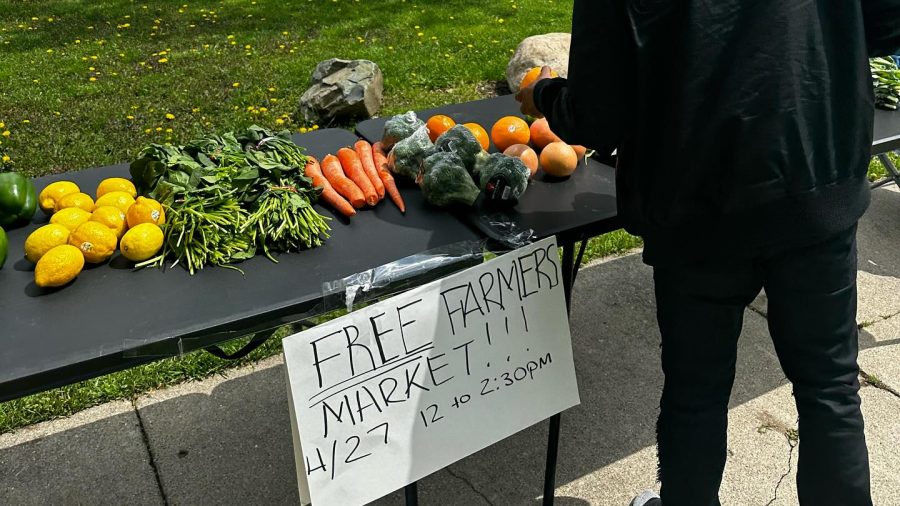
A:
[741,126]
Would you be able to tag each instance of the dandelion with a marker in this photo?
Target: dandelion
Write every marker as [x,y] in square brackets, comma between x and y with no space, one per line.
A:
[6,133]
[263,109]
[49,51]
[26,121]
[279,121]
[168,130]
[159,129]
[315,127]
[284,33]
[248,46]
[129,117]
[195,110]
[235,85]
[92,79]
[49,20]
[273,100]
[91,69]
[78,41]
[303,130]
[170,116]
[163,60]
[272,89]
[6,158]
[147,130]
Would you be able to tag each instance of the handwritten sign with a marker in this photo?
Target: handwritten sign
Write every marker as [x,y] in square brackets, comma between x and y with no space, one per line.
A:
[393,392]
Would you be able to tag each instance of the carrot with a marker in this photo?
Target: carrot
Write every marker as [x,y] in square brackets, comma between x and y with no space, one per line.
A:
[331,169]
[354,170]
[381,165]
[364,151]
[329,195]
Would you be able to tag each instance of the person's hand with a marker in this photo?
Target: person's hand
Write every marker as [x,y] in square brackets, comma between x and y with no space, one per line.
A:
[525,96]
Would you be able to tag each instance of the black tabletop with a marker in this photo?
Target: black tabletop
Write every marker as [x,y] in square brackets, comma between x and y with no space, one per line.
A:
[887,131]
[93,326]
[582,205]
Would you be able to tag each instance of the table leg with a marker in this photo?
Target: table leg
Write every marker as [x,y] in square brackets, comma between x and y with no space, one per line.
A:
[569,269]
[412,494]
[893,172]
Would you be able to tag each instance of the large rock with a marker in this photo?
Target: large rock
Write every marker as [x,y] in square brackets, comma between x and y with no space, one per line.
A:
[551,49]
[342,90]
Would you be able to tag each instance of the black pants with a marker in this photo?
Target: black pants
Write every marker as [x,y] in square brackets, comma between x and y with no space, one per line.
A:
[812,320]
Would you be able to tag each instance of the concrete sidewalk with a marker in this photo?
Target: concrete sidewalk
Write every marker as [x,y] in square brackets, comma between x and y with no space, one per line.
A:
[226,440]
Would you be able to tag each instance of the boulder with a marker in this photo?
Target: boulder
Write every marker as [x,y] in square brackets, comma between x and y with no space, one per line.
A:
[549,49]
[342,90]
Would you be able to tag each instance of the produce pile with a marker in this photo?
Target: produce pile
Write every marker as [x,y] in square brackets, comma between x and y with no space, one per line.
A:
[886,77]
[230,196]
[451,165]
[85,229]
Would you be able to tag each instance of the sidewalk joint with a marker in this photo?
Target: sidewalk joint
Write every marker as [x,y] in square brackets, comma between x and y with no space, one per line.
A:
[152,458]
[875,381]
[471,486]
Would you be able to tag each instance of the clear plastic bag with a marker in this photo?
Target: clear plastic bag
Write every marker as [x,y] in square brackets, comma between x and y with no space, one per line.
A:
[400,127]
[408,155]
[446,182]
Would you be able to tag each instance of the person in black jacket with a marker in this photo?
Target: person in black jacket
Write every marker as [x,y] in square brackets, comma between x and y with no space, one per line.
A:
[743,132]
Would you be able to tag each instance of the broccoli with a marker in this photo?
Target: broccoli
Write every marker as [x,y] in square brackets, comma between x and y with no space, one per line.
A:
[400,127]
[462,141]
[446,182]
[408,155]
[503,178]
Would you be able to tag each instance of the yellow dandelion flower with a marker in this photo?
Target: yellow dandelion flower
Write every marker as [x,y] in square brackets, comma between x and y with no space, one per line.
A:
[279,121]
[26,121]
[2,124]
[303,130]
[163,60]
[159,129]
[230,37]
[272,89]
[195,109]
[168,130]
[49,51]
[34,18]
[147,130]
[263,109]
[170,116]
[129,117]
[92,79]
[273,100]
[6,133]
[235,85]
[6,158]
[78,41]
[284,33]
[91,69]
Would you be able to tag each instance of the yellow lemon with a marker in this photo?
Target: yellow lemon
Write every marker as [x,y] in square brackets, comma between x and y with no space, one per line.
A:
[116,184]
[142,242]
[112,217]
[145,210]
[53,192]
[43,240]
[59,266]
[70,217]
[120,200]
[80,200]
[95,240]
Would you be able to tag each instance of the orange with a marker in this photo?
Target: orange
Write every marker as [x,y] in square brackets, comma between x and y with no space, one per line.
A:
[559,159]
[480,133]
[541,135]
[524,153]
[439,124]
[510,130]
[532,75]
[145,210]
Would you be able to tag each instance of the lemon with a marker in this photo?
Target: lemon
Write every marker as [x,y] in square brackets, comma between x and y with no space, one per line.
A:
[145,210]
[70,217]
[95,240]
[116,184]
[82,201]
[112,217]
[142,242]
[120,200]
[59,266]
[43,240]
[53,192]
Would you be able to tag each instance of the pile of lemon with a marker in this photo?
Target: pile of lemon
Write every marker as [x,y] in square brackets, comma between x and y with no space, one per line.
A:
[82,229]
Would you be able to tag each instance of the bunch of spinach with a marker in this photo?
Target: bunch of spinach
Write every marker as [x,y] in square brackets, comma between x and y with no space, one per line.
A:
[229,196]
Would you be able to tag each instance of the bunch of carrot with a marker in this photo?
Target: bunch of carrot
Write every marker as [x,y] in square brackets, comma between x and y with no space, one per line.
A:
[354,178]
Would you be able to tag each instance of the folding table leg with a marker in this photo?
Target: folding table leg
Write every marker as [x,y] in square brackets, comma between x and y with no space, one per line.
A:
[893,173]
[412,494]
[569,269]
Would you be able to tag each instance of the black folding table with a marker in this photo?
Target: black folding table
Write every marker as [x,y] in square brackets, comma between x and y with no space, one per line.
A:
[886,139]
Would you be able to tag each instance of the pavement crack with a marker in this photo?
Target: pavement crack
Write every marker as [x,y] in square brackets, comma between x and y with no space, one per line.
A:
[152,458]
[792,437]
[469,483]
[875,381]
[758,311]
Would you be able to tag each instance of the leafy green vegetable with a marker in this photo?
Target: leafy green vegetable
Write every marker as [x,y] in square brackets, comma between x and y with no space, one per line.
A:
[445,181]
[400,127]
[408,155]
[886,77]
[503,178]
[462,141]
[229,195]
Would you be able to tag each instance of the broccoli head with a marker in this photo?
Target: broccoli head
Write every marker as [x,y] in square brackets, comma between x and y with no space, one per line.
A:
[400,127]
[446,182]
[503,178]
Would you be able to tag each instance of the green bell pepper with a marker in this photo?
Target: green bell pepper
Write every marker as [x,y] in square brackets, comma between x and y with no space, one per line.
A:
[4,246]
[18,199]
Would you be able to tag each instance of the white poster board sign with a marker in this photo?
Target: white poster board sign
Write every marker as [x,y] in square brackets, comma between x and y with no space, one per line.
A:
[393,392]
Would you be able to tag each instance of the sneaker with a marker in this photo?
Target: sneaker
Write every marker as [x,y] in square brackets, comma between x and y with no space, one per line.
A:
[647,498]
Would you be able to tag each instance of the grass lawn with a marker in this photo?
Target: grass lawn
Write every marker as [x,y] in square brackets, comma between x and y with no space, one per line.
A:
[87,84]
